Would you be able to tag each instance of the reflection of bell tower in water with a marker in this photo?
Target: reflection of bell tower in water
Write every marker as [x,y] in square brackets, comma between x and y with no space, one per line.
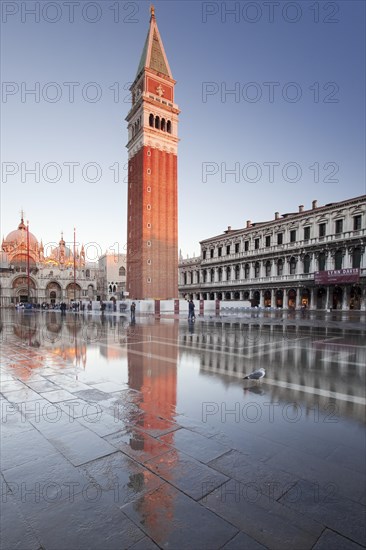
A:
[152,227]
[152,370]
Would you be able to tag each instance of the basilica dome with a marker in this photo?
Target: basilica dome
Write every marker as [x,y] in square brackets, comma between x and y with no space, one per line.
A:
[19,236]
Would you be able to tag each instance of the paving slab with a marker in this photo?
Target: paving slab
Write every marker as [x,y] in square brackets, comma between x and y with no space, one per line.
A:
[80,445]
[330,540]
[16,532]
[138,444]
[23,447]
[121,476]
[269,523]
[173,520]
[348,483]
[325,504]
[259,476]
[199,447]
[85,522]
[187,474]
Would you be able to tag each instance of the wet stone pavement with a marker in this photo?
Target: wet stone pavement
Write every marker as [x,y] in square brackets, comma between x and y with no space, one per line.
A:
[117,435]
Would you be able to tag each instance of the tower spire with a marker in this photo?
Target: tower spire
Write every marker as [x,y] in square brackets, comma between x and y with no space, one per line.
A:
[153,54]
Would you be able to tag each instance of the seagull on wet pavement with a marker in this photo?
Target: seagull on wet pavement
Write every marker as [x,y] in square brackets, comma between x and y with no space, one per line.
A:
[255,375]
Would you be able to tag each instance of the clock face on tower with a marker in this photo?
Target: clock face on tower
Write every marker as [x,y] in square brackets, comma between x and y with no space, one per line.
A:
[152,226]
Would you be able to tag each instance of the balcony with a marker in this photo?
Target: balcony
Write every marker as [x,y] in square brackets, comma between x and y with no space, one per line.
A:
[291,248]
[274,279]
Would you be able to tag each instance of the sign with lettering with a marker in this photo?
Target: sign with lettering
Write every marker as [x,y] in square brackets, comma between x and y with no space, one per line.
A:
[337,276]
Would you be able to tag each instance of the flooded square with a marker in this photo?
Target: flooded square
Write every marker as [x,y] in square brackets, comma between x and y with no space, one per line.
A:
[152,426]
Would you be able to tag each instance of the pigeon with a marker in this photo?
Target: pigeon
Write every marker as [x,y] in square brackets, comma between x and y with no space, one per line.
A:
[255,375]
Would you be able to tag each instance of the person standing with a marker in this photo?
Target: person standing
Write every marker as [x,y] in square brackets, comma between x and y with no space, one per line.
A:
[133,310]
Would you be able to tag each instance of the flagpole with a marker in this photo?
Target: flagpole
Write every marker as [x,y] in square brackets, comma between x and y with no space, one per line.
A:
[74,267]
[28,278]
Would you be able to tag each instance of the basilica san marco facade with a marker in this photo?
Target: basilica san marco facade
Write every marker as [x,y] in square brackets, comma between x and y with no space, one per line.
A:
[313,258]
[31,272]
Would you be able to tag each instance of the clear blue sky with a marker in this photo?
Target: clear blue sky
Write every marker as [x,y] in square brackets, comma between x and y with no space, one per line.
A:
[292,130]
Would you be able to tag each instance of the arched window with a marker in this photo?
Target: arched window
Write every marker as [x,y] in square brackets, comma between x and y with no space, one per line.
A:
[114,288]
[338,259]
[204,273]
[228,273]
[256,269]
[237,272]
[169,127]
[110,288]
[279,267]
[157,122]
[321,261]
[307,264]
[212,275]
[292,266]
[356,257]
[151,121]
[162,124]
[247,271]
[268,268]
[220,273]
[198,276]
[122,271]
[184,278]
[87,273]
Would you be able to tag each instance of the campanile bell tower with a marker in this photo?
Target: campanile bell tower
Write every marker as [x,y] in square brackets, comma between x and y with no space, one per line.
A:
[152,227]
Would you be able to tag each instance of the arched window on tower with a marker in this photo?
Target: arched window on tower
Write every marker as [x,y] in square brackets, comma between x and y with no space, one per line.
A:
[169,127]
[151,121]
[157,122]
[162,127]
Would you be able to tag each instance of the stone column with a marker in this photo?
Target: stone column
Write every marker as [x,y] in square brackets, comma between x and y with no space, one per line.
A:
[298,297]
[312,298]
[345,298]
[363,299]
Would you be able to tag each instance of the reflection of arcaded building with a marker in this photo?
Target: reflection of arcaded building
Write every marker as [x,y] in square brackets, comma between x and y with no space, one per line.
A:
[309,360]
[313,257]
[57,272]
[63,336]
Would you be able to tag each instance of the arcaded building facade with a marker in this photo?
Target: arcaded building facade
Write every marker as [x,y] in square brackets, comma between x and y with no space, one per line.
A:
[152,225]
[313,257]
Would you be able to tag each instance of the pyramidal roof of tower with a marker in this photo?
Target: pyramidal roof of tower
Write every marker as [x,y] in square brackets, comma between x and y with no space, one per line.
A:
[153,55]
